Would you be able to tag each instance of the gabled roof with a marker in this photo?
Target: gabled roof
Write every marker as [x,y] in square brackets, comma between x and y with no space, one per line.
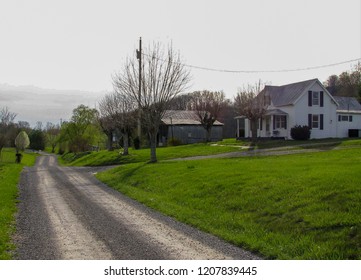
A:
[180,117]
[347,104]
[288,94]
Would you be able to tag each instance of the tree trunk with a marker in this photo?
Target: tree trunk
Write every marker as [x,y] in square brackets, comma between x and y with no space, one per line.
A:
[110,141]
[125,144]
[209,134]
[254,130]
[153,147]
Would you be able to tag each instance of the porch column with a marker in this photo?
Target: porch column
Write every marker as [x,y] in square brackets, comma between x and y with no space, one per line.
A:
[237,128]
[271,125]
[246,128]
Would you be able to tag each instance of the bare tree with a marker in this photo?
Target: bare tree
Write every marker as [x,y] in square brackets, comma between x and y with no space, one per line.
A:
[107,110]
[163,77]
[181,102]
[6,123]
[208,106]
[118,112]
[252,105]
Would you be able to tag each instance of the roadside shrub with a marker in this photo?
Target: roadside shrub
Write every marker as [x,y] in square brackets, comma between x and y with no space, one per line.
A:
[299,132]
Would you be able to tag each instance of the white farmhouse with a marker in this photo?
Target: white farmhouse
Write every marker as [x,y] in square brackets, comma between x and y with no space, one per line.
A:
[305,103]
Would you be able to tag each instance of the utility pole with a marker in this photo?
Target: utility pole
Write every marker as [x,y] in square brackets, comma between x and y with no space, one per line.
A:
[139,57]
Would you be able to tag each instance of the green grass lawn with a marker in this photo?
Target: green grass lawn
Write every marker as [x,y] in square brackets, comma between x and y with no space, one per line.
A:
[304,206]
[9,177]
[142,155]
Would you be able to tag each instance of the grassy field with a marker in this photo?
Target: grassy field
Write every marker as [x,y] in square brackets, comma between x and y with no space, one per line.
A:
[9,177]
[304,206]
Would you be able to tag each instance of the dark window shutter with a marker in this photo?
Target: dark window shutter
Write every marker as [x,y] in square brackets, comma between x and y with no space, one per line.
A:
[339,118]
[321,98]
[321,121]
[310,120]
[350,118]
[310,98]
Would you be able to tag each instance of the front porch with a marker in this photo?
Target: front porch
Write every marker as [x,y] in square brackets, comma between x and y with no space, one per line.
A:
[273,125]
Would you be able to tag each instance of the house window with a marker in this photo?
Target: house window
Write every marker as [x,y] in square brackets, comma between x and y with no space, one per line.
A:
[315,121]
[280,122]
[315,98]
[344,118]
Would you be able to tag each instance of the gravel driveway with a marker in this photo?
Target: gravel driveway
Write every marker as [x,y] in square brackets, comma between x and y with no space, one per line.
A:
[66,213]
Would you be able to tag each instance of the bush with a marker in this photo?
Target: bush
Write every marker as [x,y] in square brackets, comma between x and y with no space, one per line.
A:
[299,132]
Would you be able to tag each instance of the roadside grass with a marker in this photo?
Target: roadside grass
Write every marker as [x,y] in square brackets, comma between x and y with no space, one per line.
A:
[142,155]
[104,157]
[9,178]
[301,206]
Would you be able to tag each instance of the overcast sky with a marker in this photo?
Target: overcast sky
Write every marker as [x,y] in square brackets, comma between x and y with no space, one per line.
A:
[79,44]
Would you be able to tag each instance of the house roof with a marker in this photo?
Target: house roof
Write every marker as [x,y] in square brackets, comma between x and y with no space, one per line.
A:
[287,94]
[276,112]
[347,104]
[179,117]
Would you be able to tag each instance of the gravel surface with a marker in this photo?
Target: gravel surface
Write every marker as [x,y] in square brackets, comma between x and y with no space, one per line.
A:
[66,213]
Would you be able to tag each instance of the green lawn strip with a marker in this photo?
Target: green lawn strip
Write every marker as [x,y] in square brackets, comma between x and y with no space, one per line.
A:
[142,155]
[304,206]
[9,178]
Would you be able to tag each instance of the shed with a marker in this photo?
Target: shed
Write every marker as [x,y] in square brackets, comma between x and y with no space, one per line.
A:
[185,127]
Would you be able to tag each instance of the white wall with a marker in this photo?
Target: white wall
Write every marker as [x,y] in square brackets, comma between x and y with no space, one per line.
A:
[344,126]
[328,110]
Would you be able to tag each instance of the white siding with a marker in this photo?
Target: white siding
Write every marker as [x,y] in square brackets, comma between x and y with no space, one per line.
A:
[344,126]
[302,110]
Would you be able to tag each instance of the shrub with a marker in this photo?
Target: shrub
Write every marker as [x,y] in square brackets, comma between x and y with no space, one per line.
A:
[299,132]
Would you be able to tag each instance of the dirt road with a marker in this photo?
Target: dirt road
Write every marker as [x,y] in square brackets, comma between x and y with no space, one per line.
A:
[66,213]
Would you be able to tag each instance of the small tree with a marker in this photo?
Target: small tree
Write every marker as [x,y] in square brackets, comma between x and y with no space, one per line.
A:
[250,104]
[208,106]
[118,112]
[52,132]
[21,143]
[107,110]
[82,130]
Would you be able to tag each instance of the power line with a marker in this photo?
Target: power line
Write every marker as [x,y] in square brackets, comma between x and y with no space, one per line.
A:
[273,71]
[262,71]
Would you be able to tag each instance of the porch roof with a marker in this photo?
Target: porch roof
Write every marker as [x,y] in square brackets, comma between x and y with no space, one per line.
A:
[276,112]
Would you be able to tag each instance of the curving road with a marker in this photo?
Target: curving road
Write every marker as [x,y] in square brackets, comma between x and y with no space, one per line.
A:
[66,213]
